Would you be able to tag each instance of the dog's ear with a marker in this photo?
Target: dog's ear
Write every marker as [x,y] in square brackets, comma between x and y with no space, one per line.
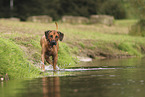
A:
[61,35]
[47,33]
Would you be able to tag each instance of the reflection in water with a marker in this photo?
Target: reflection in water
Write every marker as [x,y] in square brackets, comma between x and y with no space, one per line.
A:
[51,87]
[127,81]
[1,84]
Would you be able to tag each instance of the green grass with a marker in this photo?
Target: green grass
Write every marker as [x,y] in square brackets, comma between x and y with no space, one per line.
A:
[82,45]
[131,48]
[64,56]
[75,50]
[123,44]
[21,48]
[13,62]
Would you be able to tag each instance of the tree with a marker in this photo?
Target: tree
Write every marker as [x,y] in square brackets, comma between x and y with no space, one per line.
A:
[4,8]
[114,8]
[57,8]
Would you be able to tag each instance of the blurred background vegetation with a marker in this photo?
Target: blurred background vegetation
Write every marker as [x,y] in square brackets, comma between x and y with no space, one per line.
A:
[120,9]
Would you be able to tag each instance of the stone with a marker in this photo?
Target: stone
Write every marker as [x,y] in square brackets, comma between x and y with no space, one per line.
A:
[75,19]
[102,19]
[40,19]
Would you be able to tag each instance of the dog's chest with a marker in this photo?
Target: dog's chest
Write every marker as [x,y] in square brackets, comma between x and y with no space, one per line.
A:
[49,51]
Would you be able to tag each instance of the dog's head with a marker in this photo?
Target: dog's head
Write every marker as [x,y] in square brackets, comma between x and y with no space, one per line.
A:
[53,36]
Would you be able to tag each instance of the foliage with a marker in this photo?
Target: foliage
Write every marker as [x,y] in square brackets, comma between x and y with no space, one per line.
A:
[113,8]
[78,7]
[139,6]
[58,8]
[139,28]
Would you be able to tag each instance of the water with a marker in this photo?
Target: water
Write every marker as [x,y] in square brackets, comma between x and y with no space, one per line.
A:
[111,78]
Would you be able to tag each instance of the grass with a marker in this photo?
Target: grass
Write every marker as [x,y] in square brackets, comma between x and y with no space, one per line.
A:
[79,39]
[131,48]
[64,56]
[13,61]
[125,23]
[82,45]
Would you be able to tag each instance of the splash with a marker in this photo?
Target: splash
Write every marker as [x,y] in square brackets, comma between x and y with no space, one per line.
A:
[50,67]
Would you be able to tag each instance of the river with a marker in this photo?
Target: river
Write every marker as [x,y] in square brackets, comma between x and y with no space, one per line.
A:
[100,78]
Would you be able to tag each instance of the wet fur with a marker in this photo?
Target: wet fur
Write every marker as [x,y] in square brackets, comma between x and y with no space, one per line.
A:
[49,49]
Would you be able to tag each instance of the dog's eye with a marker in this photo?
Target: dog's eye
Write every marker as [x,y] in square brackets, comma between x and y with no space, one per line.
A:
[51,36]
[56,36]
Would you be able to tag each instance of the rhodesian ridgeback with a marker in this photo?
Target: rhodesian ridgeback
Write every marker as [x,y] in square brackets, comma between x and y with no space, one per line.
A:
[50,46]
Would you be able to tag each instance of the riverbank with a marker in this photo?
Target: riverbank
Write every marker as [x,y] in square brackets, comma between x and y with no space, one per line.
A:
[100,41]
[95,41]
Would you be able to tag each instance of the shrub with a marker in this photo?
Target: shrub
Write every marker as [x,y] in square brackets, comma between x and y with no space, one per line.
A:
[114,8]
[138,29]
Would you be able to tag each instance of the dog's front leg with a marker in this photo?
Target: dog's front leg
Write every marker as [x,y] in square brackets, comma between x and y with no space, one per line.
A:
[55,61]
[42,58]
[55,57]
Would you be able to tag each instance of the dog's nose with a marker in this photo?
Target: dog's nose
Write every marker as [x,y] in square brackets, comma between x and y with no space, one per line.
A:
[53,42]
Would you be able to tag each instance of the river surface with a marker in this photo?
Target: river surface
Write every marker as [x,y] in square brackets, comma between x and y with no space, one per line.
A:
[100,78]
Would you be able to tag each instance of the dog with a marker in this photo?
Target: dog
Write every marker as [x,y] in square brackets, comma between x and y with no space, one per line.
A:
[50,47]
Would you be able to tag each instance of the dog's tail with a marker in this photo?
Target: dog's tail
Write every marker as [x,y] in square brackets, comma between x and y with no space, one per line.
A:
[56,26]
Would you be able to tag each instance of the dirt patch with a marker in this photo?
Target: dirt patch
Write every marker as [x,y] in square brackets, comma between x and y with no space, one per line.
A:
[87,48]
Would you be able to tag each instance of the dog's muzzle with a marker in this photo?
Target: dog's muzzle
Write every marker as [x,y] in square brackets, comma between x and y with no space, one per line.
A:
[53,42]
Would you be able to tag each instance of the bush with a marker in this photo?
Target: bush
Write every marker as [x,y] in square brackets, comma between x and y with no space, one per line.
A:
[138,29]
[113,8]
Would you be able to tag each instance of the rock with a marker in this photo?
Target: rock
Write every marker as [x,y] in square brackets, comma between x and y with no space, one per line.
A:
[84,59]
[11,19]
[40,19]
[2,79]
[102,19]
[14,19]
[75,19]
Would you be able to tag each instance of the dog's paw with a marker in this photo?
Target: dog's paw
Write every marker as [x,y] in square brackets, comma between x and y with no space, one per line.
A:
[57,68]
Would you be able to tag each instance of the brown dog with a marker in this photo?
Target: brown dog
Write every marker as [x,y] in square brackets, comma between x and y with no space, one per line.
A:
[50,46]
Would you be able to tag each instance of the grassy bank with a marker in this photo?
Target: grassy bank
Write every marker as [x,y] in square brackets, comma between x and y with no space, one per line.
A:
[13,62]
[96,41]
